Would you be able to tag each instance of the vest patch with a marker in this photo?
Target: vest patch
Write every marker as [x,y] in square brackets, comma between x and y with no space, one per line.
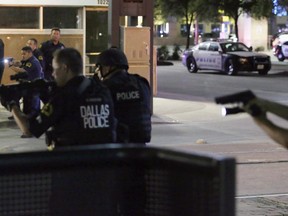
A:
[131,95]
[95,116]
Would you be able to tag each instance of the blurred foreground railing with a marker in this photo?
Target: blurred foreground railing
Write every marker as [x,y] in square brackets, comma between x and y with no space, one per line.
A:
[116,180]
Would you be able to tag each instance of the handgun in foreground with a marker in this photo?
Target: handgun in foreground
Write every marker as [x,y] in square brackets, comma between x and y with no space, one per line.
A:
[236,102]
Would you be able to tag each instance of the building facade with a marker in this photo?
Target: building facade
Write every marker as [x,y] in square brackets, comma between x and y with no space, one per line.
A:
[251,32]
[83,25]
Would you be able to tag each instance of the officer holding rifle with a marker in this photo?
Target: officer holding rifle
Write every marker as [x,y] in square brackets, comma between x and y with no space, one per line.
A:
[30,67]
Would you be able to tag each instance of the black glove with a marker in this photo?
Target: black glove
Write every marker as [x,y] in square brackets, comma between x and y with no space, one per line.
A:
[8,104]
[255,110]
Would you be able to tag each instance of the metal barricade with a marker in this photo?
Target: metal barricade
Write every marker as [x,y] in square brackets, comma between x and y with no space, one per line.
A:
[116,180]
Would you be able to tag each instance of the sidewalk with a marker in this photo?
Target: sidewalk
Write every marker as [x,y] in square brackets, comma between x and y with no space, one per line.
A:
[262,165]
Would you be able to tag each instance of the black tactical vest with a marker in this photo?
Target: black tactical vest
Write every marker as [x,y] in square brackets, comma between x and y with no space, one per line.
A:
[91,118]
[132,100]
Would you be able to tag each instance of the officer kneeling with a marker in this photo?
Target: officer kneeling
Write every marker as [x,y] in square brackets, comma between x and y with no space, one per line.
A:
[80,112]
[131,96]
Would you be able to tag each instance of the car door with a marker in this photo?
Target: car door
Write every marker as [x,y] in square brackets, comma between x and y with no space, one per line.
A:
[200,55]
[285,49]
[214,57]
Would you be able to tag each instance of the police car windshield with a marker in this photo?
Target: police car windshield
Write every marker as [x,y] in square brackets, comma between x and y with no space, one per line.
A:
[234,47]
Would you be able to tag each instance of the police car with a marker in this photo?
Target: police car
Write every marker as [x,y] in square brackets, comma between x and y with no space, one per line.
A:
[229,57]
[281,51]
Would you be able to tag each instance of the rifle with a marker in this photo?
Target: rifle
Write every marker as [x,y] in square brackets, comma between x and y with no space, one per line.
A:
[23,88]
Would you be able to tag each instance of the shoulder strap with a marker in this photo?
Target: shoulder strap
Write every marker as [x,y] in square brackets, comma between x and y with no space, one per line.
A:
[83,86]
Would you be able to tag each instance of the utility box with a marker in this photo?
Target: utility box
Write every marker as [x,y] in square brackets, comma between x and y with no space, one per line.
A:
[135,43]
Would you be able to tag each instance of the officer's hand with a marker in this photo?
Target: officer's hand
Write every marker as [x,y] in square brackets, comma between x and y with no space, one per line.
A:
[255,108]
[15,63]
[12,67]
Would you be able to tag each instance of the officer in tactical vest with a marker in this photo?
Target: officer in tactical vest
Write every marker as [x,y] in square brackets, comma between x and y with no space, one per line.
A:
[131,95]
[80,112]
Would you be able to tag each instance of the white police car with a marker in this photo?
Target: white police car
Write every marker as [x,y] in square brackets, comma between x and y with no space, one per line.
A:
[281,51]
[230,57]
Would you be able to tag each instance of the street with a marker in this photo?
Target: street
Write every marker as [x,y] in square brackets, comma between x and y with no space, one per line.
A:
[207,84]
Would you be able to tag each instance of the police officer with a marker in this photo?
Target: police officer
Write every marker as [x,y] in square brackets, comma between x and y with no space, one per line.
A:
[48,48]
[33,43]
[80,112]
[131,95]
[32,68]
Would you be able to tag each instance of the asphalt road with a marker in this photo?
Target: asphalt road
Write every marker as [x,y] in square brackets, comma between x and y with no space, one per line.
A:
[206,84]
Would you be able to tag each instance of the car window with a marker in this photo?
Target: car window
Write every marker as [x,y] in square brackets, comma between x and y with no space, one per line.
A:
[234,47]
[283,37]
[203,46]
[213,47]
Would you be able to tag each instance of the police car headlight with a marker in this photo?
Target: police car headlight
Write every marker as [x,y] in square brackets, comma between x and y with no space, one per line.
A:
[243,60]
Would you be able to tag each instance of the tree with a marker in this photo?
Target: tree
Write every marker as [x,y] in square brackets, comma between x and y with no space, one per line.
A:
[281,4]
[234,8]
[180,9]
[192,10]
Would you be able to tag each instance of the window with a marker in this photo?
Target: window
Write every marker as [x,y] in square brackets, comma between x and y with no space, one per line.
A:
[200,28]
[62,17]
[215,28]
[282,27]
[203,47]
[96,31]
[183,30]
[213,47]
[19,17]
[29,17]
[162,30]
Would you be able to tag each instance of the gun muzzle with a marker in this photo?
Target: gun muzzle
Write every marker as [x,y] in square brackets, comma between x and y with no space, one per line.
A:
[229,111]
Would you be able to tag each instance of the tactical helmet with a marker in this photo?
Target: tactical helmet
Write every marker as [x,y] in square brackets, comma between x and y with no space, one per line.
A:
[113,57]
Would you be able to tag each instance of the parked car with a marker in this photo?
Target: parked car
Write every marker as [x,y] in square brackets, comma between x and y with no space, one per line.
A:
[279,39]
[281,51]
[229,57]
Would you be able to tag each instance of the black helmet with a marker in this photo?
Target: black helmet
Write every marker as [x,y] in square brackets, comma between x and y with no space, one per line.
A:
[113,57]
